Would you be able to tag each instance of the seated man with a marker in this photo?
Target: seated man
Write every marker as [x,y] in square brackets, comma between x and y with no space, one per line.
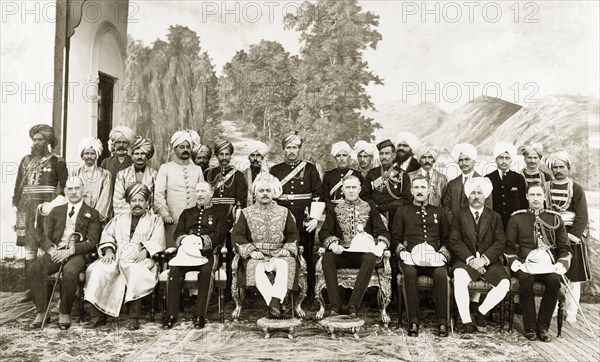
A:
[266,238]
[477,240]
[62,254]
[421,226]
[343,222]
[542,233]
[125,270]
[204,226]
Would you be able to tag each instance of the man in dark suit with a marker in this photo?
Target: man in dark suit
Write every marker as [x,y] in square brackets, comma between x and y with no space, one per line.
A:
[477,240]
[60,226]
[465,155]
[509,191]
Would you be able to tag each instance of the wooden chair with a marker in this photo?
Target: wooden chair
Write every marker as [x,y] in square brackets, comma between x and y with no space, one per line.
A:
[483,287]
[381,278]
[239,293]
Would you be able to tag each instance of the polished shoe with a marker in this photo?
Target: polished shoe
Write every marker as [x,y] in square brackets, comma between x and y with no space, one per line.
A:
[199,322]
[169,322]
[275,308]
[64,322]
[442,330]
[133,324]
[64,326]
[352,311]
[413,330]
[468,328]
[27,297]
[335,311]
[544,336]
[480,321]
[95,323]
[530,335]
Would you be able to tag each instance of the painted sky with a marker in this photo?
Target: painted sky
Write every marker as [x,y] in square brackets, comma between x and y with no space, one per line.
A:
[441,52]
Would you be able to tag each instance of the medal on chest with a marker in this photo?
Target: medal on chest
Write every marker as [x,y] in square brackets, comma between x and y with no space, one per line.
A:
[210,220]
[435,220]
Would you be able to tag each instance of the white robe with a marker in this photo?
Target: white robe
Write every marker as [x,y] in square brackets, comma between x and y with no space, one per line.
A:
[109,285]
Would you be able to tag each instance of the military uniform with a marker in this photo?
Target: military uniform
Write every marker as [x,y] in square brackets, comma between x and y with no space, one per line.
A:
[230,192]
[333,178]
[414,225]
[508,194]
[393,193]
[529,233]
[298,193]
[212,224]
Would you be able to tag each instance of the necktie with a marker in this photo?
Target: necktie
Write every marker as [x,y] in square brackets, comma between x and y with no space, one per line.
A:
[476,217]
[465,179]
[428,176]
[72,212]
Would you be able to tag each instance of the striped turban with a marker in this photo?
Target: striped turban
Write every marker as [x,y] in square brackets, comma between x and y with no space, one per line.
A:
[137,188]
[145,145]
[466,149]
[122,131]
[292,138]
[534,147]
[475,182]
[188,135]
[265,178]
[46,131]
[339,147]
[562,156]
[427,147]
[223,145]
[93,143]
[502,147]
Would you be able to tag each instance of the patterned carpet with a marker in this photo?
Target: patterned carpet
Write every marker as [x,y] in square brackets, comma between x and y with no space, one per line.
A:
[243,340]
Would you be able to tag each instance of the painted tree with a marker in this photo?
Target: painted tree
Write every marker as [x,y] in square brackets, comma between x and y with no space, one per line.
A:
[332,75]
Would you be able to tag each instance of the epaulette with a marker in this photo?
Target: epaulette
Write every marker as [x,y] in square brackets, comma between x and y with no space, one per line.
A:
[551,212]
[522,211]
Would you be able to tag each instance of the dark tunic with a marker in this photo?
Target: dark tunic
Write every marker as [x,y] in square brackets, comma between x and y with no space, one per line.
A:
[508,194]
[207,221]
[232,192]
[393,194]
[415,224]
[39,180]
[333,177]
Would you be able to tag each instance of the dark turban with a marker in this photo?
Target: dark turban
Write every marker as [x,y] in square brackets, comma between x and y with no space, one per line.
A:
[145,145]
[292,138]
[46,131]
[137,188]
[223,145]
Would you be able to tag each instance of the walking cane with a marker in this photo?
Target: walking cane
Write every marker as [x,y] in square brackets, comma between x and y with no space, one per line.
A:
[51,295]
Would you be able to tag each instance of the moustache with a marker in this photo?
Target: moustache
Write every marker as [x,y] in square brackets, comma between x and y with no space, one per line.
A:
[185,153]
[121,148]
[420,194]
[427,164]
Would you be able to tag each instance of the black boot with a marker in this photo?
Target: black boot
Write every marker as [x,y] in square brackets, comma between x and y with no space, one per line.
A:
[134,314]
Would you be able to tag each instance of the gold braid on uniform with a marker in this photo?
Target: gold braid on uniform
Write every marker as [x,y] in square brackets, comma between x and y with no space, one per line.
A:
[547,231]
[400,181]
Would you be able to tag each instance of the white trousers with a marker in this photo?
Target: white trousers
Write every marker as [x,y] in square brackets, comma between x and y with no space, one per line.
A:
[569,304]
[461,294]
[279,287]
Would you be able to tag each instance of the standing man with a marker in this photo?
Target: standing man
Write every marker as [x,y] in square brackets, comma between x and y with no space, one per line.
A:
[465,155]
[121,137]
[567,197]
[96,180]
[422,226]
[266,238]
[367,156]
[302,189]
[202,155]
[332,180]
[427,155]
[541,231]
[406,145]
[509,191]
[142,151]
[174,190]
[532,154]
[343,221]
[204,227]
[257,165]
[390,186]
[477,241]
[40,178]
[229,183]
[71,231]
[125,272]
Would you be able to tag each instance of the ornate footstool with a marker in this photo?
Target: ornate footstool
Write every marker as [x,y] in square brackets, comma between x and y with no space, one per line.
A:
[342,323]
[269,325]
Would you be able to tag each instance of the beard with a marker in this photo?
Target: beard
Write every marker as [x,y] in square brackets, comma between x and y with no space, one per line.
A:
[37,150]
[402,156]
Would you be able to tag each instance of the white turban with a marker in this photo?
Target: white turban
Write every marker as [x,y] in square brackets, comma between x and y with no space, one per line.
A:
[502,147]
[466,149]
[188,135]
[259,147]
[475,182]
[272,181]
[427,147]
[122,131]
[339,147]
[409,138]
[93,142]
[368,148]
[562,156]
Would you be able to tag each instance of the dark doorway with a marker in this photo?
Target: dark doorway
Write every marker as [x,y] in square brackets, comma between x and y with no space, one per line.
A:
[105,111]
